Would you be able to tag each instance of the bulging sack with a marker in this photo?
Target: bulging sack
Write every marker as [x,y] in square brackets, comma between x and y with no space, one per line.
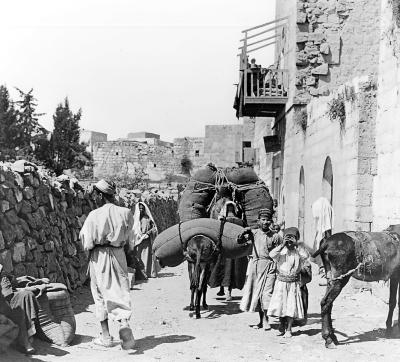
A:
[168,246]
[253,198]
[194,201]
[56,316]
[241,175]
[206,174]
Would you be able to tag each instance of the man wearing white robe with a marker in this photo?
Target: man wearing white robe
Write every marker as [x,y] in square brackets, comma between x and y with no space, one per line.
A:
[104,234]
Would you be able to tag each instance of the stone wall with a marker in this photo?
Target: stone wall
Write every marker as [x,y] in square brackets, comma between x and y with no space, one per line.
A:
[386,197]
[351,149]
[263,161]
[191,147]
[335,41]
[124,157]
[40,220]
[223,144]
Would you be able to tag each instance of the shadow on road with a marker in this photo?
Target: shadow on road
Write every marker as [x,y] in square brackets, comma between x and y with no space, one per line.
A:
[150,342]
[374,335]
[228,308]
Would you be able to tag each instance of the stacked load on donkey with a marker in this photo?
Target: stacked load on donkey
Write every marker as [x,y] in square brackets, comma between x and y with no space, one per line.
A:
[168,246]
[198,194]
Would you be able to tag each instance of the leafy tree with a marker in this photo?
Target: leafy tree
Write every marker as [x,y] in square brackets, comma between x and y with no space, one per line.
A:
[27,130]
[8,120]
[67,150]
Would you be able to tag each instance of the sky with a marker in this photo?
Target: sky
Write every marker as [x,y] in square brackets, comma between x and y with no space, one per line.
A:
[162,66]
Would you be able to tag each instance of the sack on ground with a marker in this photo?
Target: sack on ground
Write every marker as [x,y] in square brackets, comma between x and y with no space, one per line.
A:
[56,316]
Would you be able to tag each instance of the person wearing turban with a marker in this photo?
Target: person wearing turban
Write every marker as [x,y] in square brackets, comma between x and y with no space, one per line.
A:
[104,234]
[261,270]
[286,302]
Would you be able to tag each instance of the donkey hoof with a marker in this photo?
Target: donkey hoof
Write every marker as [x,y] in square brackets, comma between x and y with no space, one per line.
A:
[334,339]
[205,306]
[198,316]
[329,343]
[389,332]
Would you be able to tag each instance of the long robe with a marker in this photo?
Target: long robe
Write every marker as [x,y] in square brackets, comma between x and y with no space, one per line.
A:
[104,233]
[286,299]
[261,273]
[229,273]
[144,249]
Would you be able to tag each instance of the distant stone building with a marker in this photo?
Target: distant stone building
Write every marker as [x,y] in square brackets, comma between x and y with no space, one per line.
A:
[223,145]
[91,137]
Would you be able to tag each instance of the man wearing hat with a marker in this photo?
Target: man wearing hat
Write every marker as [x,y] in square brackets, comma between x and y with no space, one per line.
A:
[105,232]
[262,269]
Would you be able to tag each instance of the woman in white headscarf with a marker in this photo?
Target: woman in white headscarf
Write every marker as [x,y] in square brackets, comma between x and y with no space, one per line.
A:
[144,232]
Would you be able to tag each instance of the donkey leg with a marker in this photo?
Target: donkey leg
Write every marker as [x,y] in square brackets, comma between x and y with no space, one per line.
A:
[394,281]
[332,291]
[205,305]
[192,286]
[198,296]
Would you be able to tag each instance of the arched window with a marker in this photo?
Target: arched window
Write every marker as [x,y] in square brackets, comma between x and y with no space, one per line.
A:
[302,203]
[327,180]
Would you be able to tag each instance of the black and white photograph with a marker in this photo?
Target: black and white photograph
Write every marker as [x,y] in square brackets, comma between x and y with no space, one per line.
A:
[210,181]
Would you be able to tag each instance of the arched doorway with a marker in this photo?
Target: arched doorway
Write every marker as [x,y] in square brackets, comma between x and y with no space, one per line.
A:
[302,203]
[327,180]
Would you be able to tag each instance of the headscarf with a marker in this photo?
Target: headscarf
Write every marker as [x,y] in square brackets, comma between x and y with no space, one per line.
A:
[323,215]
[137,230]
[224,210]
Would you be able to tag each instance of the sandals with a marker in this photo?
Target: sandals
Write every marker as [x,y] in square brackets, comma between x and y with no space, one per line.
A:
[104,342]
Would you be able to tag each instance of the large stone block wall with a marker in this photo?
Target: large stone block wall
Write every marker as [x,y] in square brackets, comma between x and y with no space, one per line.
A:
[334,40]
[123,157]
[350,148]
[386,196]
[40,221]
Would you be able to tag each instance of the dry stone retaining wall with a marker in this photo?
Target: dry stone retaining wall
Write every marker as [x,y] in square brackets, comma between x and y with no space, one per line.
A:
[40,220]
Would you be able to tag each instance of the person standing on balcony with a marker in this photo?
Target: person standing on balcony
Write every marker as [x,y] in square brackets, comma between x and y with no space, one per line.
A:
[103,235]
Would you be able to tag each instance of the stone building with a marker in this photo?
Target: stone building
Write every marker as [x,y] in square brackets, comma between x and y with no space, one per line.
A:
[91,137]
[334,98]
[223,145]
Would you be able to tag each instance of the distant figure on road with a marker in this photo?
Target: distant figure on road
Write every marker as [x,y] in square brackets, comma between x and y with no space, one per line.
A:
[104,234]
[145,231]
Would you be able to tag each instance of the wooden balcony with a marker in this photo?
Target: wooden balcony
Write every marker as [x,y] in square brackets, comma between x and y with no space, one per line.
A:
[261,92]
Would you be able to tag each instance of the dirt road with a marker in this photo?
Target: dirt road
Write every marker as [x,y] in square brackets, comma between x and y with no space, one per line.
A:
[166,332]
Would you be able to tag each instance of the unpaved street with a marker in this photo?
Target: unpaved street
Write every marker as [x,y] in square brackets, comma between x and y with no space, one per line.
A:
[165,331]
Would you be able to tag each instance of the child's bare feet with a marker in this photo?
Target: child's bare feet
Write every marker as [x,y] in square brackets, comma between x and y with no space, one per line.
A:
[288,334]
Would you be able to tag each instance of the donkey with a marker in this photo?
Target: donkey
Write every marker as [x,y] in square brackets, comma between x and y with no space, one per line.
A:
[367,256]
[200,252]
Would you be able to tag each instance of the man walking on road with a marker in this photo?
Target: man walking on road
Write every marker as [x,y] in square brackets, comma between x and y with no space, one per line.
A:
[104,234]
